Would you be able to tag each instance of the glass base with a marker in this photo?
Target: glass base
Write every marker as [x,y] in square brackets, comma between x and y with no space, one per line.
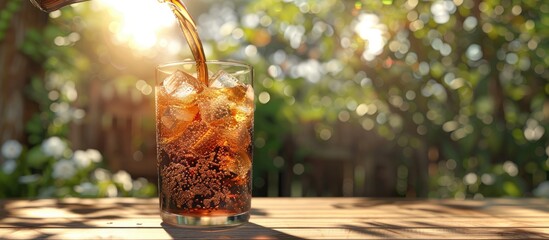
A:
[204,221]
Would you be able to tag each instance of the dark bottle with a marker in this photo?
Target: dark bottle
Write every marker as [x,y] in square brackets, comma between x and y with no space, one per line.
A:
[52,5]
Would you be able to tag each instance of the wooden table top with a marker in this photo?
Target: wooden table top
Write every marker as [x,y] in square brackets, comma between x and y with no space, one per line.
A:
[283,218]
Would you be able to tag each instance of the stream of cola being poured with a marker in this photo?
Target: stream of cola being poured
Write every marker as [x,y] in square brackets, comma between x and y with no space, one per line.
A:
[188,26]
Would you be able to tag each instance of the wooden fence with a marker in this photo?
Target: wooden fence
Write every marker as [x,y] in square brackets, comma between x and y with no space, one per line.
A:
[353,162]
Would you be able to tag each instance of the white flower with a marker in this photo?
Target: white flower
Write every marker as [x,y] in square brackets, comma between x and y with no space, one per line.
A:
[101,174]
[139,183]
[29,178]
[9,166]
[94,155]
[81,159]
[123,178]
[86,189]
[63,169]
[54,147]
[542,190]
[112,191]
[11,149]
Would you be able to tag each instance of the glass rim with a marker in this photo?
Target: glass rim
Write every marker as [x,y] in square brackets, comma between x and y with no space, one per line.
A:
[232,63]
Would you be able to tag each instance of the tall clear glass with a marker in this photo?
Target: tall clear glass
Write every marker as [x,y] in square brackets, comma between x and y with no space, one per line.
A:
[204,133]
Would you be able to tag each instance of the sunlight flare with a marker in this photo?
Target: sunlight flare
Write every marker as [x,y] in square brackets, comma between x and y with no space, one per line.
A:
[138,21]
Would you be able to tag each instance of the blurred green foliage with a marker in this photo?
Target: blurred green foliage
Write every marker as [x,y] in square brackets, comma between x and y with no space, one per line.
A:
[48,166]
[457,88]
[12,7]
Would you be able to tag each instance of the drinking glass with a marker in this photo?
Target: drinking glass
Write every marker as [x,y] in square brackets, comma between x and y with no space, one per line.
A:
[204,133]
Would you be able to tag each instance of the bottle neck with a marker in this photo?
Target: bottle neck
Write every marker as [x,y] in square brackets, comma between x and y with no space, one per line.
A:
[52,5]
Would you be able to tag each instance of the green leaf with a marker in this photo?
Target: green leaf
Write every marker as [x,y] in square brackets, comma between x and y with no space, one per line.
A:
[13,6]
[511,189]
[387,2]
[5,15]
[4,25]
[36,158]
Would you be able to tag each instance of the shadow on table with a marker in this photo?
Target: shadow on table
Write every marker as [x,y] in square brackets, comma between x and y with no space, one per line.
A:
[38,213]
[32,217]
[245,231]
[428,231]
[413,220]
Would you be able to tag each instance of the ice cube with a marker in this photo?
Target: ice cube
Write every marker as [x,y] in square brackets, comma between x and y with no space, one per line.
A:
[175,119]
[182,85]
[243,113]
[167,121]
[183,113]
[250,93]
[215,113]
[243,104]
[238,163]
[214,105]
[223,80]
[238,135]
[199,138]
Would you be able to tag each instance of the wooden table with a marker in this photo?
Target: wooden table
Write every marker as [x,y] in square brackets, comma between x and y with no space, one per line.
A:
[284,218]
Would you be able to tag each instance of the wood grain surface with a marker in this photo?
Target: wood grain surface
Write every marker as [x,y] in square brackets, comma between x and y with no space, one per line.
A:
[283,218]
